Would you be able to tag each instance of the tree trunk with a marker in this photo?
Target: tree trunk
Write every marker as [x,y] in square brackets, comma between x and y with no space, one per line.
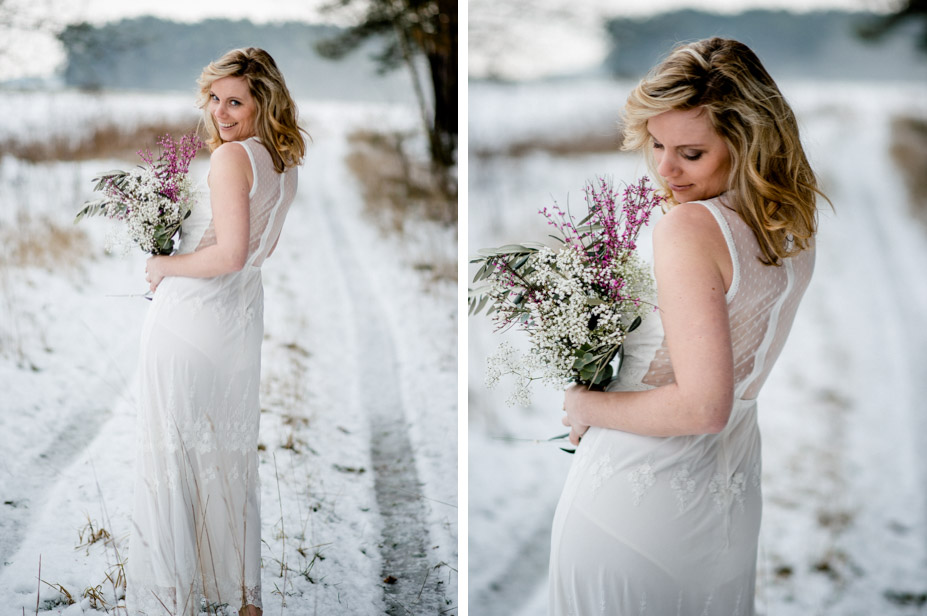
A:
[442,61]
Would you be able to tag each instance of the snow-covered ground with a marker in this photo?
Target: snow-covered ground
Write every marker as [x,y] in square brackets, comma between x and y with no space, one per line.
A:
[845,520]
[357,342]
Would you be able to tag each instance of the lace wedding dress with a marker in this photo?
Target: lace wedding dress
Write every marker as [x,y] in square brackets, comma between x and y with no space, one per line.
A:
[669,526]
[196,537]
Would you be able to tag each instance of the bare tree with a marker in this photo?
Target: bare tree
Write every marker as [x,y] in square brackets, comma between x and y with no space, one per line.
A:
[412,28]
[915,10]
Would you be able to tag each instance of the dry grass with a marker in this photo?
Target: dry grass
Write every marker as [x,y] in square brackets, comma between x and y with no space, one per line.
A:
[399,189]
[108,140]
[439,269]
[566,146]
[40,241]
[89,535]
[32,242]
[909,151]
[396,186]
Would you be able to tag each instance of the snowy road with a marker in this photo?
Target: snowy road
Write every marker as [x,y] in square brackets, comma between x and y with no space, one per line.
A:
[404,541]
[358,466]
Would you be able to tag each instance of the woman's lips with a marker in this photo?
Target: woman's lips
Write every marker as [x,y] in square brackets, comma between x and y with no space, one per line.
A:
[678,188]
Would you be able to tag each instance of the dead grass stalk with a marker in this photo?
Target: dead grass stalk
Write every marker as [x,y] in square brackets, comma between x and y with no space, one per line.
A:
[909,151]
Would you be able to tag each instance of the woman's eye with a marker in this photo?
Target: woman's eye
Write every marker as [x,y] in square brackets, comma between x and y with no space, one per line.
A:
[657,146]
[692,156]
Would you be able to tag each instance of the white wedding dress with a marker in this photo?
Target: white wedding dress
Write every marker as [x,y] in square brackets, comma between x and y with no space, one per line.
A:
[196,536]
[669,526]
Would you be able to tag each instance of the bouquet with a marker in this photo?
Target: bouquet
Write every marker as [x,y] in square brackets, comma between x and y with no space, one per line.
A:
[576,303]
[152,199]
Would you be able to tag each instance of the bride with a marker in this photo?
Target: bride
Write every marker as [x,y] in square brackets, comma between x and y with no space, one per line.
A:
[196,540]
[660,513]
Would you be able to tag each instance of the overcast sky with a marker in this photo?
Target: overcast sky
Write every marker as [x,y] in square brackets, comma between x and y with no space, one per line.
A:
[524,39]
[192,10]
[195,10]
[38,53]
[552,35]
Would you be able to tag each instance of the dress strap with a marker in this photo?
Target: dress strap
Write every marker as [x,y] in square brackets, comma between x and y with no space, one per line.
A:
[731,246]
[246,144]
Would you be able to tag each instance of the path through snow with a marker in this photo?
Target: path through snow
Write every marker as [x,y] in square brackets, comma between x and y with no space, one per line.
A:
[345,501]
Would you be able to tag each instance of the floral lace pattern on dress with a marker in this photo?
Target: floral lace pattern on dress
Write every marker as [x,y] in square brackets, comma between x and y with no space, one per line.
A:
[642,479]
[726,492]
[683,486]
[601,471]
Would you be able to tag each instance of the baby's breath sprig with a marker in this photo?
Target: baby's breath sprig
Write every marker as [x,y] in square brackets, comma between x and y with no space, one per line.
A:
[576,303]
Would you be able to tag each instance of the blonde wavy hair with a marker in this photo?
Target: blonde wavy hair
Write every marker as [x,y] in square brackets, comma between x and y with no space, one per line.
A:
[773,185]
[276,116]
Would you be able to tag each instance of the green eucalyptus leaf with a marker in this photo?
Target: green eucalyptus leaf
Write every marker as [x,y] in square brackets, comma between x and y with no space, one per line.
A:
[583,361]
[604,375]
[635,324]
[481,304]
[480,273]
[521,261]
[524,247]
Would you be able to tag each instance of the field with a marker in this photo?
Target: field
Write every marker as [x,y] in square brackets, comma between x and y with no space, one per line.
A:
[359,357]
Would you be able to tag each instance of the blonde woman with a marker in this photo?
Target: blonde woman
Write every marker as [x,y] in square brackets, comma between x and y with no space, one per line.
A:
[196,541]
[660,513]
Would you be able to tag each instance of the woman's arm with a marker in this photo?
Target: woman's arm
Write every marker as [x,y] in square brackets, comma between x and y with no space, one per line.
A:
[691,263]
[230,180]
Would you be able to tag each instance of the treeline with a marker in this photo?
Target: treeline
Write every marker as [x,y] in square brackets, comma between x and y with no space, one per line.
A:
[156,54]
[820,44]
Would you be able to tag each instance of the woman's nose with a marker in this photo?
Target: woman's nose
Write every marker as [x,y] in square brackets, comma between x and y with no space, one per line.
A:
[666,167]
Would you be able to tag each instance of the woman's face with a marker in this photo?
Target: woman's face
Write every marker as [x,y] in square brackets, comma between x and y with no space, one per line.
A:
[233,108]
[690,155]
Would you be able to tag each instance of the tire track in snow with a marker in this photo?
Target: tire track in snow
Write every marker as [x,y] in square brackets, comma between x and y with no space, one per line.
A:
[403,546]
[65,444]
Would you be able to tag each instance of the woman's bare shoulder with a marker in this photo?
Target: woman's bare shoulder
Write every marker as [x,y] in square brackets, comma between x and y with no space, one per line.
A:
[688,222]
[229,153]
[228,162]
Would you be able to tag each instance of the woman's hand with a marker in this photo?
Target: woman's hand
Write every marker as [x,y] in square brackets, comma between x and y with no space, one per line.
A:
[154,271]
[574,399]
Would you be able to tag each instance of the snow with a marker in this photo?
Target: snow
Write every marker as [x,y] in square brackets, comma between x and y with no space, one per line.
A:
[845,517]
[69,344]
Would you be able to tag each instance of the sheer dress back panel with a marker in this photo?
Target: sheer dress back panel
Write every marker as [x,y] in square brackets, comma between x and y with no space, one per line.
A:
[762,303]
[269,189]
